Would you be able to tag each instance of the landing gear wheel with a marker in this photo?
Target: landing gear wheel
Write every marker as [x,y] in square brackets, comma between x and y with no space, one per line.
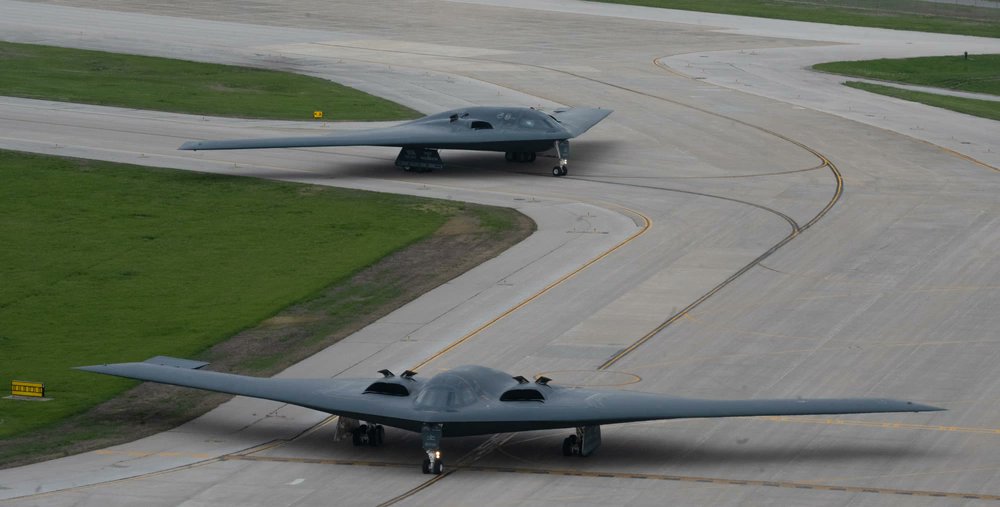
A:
[557,171]
[374,435]
[426,468]
[379,434]
[437,468]
[563,171]
[569,445]
[360,436]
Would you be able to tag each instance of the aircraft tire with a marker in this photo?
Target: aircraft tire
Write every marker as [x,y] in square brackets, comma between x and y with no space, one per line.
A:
[568,444]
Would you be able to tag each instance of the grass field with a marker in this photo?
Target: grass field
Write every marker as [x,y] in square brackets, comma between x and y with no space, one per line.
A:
[982,108]
[978,73]
[93,77]
[104,262]
[912,15]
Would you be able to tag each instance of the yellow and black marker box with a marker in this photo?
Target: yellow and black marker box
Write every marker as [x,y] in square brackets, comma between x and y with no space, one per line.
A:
[27,389]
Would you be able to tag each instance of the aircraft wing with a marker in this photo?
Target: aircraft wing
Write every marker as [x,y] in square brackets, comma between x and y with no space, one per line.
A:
[561,407]
[439,131]
[582,407]
[579,119]
[334,396]
[592,407]
[398,136]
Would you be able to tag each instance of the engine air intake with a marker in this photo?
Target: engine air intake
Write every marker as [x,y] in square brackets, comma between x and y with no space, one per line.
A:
[522,395]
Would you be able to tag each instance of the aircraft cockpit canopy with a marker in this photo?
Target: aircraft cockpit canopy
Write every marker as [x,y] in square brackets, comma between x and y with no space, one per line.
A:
[446,392]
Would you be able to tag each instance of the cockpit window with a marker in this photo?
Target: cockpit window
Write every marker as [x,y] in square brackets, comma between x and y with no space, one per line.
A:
[536,122]
[446,392]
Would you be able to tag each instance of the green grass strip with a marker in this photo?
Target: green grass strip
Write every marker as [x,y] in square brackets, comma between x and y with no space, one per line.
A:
[982,108]
[105,262]
[161,84]
[911,15]
[977,73]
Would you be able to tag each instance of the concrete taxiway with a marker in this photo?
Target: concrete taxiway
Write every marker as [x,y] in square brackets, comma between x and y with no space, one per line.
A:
[713,239]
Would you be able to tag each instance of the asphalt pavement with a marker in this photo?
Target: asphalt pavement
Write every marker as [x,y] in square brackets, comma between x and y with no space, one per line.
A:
[739,228]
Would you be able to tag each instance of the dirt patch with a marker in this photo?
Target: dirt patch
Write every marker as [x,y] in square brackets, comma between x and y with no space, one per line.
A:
[284,339]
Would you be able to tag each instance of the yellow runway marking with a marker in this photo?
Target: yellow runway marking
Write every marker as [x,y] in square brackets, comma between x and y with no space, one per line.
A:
[647,223]
[659,63]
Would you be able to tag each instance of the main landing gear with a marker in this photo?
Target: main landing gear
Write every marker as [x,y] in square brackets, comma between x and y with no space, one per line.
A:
[523,157]
[368,434]
[584,442]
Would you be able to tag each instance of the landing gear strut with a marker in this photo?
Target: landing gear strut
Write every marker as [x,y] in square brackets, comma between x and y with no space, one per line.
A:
[430,435]
[562,153]
[584,442]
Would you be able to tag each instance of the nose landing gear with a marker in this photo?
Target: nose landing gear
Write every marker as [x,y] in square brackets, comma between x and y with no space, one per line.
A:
[562,153]
[433,464]
[430,435]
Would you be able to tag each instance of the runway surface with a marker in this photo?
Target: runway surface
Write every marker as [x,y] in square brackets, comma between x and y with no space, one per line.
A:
[739,227]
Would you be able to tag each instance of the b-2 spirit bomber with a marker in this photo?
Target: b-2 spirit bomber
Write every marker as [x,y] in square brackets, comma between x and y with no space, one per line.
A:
[476,400]
[519,132]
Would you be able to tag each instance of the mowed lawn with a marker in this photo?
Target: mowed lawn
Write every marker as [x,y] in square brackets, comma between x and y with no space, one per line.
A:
[913,15]
[162,84]
[104,262]
[975,73]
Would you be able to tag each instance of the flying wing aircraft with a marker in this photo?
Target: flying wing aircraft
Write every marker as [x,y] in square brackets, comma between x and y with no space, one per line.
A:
[476,400]
[519,132]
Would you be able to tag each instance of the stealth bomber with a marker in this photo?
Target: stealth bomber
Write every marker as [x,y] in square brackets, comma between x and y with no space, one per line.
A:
[519,132]
[476,400]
